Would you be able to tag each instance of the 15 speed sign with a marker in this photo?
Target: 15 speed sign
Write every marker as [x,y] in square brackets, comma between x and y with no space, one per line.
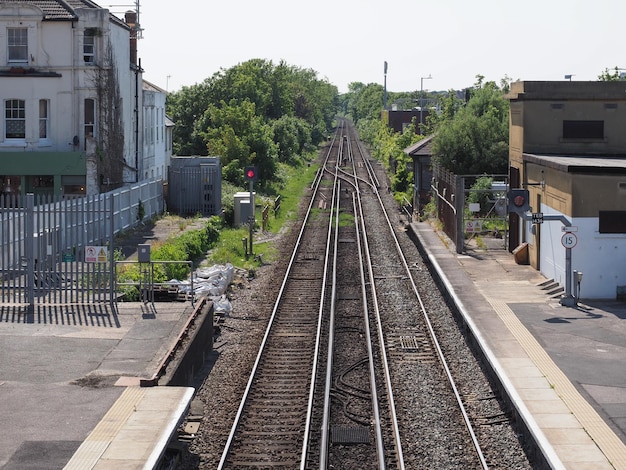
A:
[569,240]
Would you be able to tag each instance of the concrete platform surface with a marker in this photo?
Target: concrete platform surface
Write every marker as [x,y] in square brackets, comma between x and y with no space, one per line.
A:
[565,366]
[58,368]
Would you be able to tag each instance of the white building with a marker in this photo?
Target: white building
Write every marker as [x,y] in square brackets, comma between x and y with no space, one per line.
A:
[157,133]
[71,92]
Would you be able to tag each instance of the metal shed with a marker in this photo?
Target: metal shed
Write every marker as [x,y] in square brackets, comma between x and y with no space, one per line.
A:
[195,186]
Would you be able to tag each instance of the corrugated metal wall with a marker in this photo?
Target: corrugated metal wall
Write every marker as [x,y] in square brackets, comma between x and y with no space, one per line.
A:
[195,186]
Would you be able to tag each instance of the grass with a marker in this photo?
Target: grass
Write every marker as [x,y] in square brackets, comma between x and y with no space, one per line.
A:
[223,244]
[230,247]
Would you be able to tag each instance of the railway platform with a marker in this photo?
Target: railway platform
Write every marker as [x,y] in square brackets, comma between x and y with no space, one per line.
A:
[70,381]
[563,366]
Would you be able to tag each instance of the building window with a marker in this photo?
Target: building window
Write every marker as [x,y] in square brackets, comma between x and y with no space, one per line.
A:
[89,47]
[43,119]
[17,41]
[612,222]
[90,118]
[583,130]
[15,119]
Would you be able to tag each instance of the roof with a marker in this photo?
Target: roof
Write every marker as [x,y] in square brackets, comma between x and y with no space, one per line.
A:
[580,163]
[149,86]
[61,10]
[567,91]
[422,148]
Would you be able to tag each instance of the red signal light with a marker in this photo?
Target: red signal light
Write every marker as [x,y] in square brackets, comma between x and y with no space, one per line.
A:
[250,173]
[519,200]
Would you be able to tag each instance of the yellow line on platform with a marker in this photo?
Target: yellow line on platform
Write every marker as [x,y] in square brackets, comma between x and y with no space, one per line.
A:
[608,442]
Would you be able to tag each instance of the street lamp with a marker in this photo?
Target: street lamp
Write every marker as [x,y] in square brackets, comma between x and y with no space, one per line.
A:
[422,99]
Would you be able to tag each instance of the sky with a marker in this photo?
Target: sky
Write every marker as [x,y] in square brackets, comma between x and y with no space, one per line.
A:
[344,41]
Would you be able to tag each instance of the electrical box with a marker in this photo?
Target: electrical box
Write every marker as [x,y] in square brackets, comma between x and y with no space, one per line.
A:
[143,253]
[244,208]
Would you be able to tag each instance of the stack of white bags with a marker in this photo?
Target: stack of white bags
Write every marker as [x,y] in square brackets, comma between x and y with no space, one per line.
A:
[212,282]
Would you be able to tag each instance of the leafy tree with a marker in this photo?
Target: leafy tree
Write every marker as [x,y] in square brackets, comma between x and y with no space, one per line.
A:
[449,105]
[253,113]
[363,101]
[614,76]
[475,139]
[481,193]
[291,135]
[185,108]
[237,134]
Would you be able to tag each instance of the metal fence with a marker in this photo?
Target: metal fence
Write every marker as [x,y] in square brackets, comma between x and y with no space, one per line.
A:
[60,251]
[463,220]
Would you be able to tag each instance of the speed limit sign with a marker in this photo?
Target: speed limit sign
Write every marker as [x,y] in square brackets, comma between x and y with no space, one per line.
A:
[569,240]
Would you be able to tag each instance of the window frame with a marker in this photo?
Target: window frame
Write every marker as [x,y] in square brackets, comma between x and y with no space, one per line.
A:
[17,47]
[89,49]
[44,119]
[14,114]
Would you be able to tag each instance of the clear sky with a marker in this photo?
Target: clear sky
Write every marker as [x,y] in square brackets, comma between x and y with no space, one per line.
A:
[344,41]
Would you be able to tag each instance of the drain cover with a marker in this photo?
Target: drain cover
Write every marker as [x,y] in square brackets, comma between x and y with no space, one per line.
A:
[350,435]
[409,342]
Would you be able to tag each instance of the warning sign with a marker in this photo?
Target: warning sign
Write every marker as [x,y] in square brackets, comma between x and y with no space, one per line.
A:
[96,254]
[473,226]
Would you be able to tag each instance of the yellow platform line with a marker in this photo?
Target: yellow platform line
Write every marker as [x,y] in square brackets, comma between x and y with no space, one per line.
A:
[604,437]
[100,438]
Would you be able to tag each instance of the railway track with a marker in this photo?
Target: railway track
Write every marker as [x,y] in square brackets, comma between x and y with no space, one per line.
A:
[351,370]
[271,426]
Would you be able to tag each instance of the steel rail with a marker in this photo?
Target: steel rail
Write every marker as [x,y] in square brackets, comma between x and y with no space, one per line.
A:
[264,342]
[433,336]
[358,214]
[377,316]
[324,435]
[328,384]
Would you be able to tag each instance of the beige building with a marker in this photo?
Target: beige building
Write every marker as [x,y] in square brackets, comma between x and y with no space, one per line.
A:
[568,148]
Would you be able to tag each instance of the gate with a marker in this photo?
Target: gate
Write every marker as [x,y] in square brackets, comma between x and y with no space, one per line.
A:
[463,220]
[56,251]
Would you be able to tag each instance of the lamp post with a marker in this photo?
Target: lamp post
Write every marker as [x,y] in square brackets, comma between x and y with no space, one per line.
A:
[385,88]
[422,99]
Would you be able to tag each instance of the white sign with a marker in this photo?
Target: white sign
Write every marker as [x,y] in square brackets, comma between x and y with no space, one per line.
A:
[569,229]
[96,254]
[569,240]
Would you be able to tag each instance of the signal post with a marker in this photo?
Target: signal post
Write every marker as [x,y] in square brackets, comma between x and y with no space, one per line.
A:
[250,174]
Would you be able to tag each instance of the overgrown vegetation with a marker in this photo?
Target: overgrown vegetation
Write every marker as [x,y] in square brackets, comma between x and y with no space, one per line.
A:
[190,245]
[255,113]
[219,243]
[473,138]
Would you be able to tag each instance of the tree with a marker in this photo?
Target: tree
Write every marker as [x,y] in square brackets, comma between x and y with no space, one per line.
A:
[253,113]
[292,135]
[185,108]
[475,139]
[241,138]
[614,76]
[363,101]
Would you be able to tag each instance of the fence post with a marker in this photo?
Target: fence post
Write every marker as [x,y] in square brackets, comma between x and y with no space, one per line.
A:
[29,251]
[459,204]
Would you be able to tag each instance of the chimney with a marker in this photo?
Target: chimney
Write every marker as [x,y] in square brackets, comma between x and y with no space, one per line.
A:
[131,20]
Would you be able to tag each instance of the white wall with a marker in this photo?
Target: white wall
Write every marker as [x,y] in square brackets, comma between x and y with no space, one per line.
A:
[156,155]
[600,257]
